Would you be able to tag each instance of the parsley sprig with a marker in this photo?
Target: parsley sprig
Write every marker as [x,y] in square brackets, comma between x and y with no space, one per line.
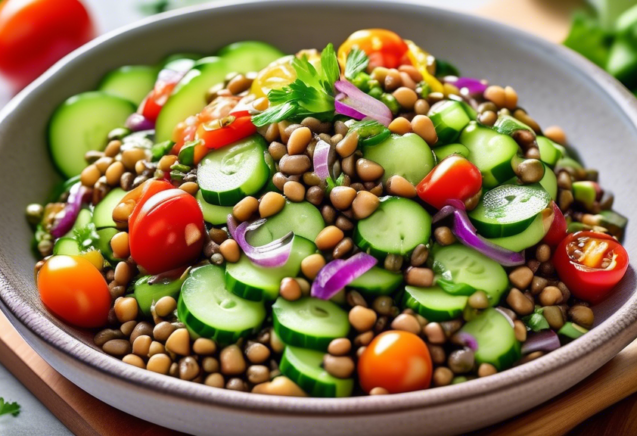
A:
[357,61]
[311,94]
[7,408]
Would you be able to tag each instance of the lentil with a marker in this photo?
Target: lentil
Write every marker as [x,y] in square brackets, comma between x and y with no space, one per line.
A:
[419,255]
[117,347]
[103,336]
[163,330]
[362,318]
[344,223]
[311,265]
[210,364]
[342,197]
[479,300]
[543,253]
[496,95]
[383,304]
[422,277]
[400,126]
[530,171]
[519,303]
[444,236]
[393,262]
[550,295]
[406,323]
[556,134]
[179,342]
[142,328]
[343,248]
[582,315]
[424,127]
[258,374]
[188,368]
[520,330]
[215,380]
[461,361]
[294,191]
[90,175]
[521,277]
[156,348]
[257,353]
[368,171]
[442,376]
[126,309]
[290,289]
[120,246]
[434,333]
[554,317]
[134,360]
[271,204]
[159,363]
[338,366]
[364,204]
[315,195]
[295,165]
[229,249]
[488,118]
[232,361]
[328,238]
[279,386]
[127,327]
[486,369]
[244,209]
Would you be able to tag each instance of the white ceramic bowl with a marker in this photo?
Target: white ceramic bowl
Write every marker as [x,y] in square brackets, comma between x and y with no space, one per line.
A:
[555,85]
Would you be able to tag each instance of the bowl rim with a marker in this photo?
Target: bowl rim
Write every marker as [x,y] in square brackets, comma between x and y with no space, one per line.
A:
[621,325]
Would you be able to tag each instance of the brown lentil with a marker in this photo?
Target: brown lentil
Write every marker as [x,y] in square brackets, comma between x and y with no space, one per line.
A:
[156,348]
[364,204]
[315,195]
[294,191]
[343,248]
[442,376]
[343,223]
[215,380]
[393,262]
[299,140]
[486,369]
[311,265]
[258,374]
[127,327]
[244,209]
[538,284]
[392,80]
[190,187]
[406,323]
[210,364]
[496,95]
[556,134]
[123,273]
[543,253]
[131,156]
[257,353]
[400,126]
[338,366]
[444,236]
[295,165]
[279,386]
[479,300]
[521,277]
[461,361]
[347,146]
[488,118]
[120,245]
[103,336]
[126,309]
[362,318]
[141,345]
[383,304]
[271,204]
[406,97]
[368,171]
[550,295]
[434,333]
[519,303]
[163,330]
[339,347]
[510,98]
[239,84]
[582,315]
[90,175]
[328,238]
[342,197]
[134,360]
[530,171]
[277,150]
[159,363]
[142,328]
[554,317]
[117,347]
[424,127]
[520,330]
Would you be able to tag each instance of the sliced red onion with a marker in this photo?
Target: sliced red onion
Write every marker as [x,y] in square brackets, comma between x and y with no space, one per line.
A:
[77,196]
[321,159]
[466,340]
[271,255]
[353,100]
[346,110]
[546,340]
[137,122]
[506,316]
[475,86]
[339,273]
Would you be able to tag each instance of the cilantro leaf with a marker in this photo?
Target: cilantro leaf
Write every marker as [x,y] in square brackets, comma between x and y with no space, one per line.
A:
[357,61]
[9,408]
[311,94]
[86,237]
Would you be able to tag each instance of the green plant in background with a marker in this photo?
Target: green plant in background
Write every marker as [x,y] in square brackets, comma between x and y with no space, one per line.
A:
[150,7]
[606,34]
[7,408]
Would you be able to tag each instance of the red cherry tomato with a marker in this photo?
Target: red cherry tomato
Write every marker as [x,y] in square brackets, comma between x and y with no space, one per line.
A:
[34,34]
[383,47]
[396,360]
[590,264]
[453,178]
[558,229]
[155,100]
[149,189]
[214,136]
[73,289]
[167,232]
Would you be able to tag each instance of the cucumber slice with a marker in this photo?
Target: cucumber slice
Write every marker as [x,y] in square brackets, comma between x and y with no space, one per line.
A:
[585,192]
[249,56]
[305,368]
[104,243]
[464,265]
[230,173]
[491,152]
[450,118]
[180,62]
[303,218]
[213,214]
[257,283]
[132,82]
[549,153]
[433,303]
[146,293]
[377,281]
[549,182]
[447,150]
[81,124]
[188,97]
[208,310]
[83,219]
[572,331]
[530,236]
[66,246]
[496,339]
[408,156]
[309,322]
[508,209]
[396,227]
[103,212]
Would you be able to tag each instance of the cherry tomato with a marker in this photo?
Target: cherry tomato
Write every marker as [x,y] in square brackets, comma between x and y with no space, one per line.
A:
[135,199]
[34,34]
[278,74]
[396,360]
[383,47]
[167,232]
[73,289]
[558,229]
[590,264]
[453,178]
[215,135]
[155,100]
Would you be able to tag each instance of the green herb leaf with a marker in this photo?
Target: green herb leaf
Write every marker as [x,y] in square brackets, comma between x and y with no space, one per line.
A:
[357,61]
[9,408]
[311,94]
[86,237]
[536,320]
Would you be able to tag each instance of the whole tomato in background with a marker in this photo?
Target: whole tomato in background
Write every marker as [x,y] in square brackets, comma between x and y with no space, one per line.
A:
[34,34]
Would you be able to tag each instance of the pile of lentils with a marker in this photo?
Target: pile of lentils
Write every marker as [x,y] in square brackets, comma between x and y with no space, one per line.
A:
[164,345]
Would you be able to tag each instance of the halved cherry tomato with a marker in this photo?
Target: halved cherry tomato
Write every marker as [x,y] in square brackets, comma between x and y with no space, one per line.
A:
[558,229]
[167,232]
[73,289]
[396,360]
[453,178]
[383,47]
[590,264]
[135,199]
[155,100]
[34,34]
[215,134]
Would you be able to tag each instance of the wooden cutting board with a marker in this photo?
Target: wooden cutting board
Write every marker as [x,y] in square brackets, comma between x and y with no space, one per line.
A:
[613,383]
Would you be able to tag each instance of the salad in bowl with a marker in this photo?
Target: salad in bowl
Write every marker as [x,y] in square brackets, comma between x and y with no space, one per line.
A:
[335,222]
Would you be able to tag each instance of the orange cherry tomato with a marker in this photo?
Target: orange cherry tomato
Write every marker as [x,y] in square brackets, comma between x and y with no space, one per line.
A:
[34,34]
[73,289]
[396,360]
[167,232]
[590,264]
[383,47]
[453,178]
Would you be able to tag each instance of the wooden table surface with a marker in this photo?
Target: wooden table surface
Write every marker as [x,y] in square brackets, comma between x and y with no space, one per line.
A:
[613,385]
